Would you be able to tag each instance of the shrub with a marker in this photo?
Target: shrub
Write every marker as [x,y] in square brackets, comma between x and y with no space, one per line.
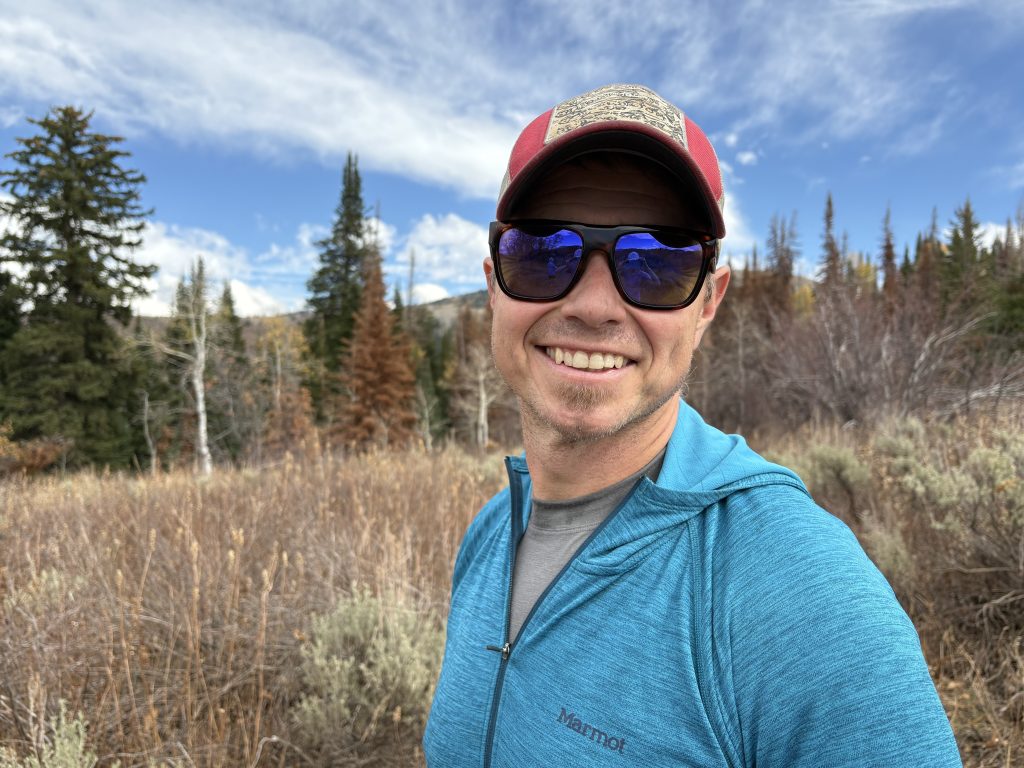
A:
[63,747]
[974,504]
[836,477]
[368,673]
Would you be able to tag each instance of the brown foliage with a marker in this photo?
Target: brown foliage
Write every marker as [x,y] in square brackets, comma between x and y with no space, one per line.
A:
[378,373]
[29,456]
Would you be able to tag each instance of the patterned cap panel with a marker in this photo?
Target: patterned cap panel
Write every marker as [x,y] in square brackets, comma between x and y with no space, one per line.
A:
[618,103]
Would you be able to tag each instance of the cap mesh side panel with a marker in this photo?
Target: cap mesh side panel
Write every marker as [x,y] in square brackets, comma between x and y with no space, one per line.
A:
[704,154]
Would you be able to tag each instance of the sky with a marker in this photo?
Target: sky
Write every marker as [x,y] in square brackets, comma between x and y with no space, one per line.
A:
[240,116]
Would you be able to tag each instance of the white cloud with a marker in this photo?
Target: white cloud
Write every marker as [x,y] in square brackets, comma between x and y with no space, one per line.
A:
[250,300]
[747,158]
[10,115]
[238,75]
[173,250]
[298,258]
[385,234]
[449,251]
[272,282]
[426,91]
[989,232]
[424,293]
[738,238]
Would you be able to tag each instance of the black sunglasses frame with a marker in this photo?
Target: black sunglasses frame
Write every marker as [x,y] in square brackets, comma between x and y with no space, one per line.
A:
[604,239]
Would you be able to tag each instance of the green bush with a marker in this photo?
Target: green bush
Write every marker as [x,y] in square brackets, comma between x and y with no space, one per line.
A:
[367,675]
[972,500]
[62,747]
[837,479]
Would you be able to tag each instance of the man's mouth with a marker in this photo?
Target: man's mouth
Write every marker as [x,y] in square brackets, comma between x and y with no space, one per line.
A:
[591,361]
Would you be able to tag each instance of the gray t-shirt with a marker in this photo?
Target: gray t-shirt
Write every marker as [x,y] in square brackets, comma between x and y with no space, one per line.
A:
[555,531]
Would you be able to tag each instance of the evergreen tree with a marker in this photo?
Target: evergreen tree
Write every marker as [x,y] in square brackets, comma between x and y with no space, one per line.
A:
[782,254]
[1008,319]
[963,277]
[234,424]
[228,327]
[927,255]
[10,310]
[156,396]
[906,267]
[378,371]
[431,356]
[832,259]
[336,286]
[890,274]
[76,218]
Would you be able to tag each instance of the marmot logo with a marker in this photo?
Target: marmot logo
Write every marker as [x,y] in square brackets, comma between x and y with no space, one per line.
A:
[573,723]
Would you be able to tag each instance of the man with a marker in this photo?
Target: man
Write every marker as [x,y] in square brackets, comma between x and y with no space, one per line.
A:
[648,591]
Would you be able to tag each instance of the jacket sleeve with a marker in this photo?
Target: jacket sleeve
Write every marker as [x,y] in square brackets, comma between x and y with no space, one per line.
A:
[821,665]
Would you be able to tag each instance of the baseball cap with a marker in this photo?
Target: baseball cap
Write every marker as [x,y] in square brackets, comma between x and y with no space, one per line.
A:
[618,118]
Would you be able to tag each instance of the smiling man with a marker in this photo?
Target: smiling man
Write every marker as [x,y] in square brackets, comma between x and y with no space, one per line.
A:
[649,591]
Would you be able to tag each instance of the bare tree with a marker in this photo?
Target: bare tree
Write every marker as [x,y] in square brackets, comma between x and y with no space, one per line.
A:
[478,386]
[191,310]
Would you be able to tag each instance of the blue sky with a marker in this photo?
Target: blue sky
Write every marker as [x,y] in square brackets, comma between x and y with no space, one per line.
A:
[241,114]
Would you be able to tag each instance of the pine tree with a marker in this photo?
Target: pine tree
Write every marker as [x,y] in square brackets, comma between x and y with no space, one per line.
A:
[233,422]
[890,275]
[10,311]
[431,355]
[378,373]
[782,254]
[962,274]
[76,218]
[336,286]
[832,259]
[927,255]
[906,267]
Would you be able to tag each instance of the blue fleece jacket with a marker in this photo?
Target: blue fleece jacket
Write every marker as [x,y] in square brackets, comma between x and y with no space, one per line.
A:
[717,618]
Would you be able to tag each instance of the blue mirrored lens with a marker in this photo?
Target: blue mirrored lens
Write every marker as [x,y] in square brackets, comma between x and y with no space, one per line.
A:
[656,273]
[539,264]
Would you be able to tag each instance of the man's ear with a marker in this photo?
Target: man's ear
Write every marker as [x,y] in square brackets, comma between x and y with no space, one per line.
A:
[719,283]
[489,274]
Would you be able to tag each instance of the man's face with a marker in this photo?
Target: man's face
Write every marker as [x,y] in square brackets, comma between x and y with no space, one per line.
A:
[587,403]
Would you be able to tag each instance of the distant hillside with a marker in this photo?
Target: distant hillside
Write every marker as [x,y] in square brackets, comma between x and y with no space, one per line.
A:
[445,310]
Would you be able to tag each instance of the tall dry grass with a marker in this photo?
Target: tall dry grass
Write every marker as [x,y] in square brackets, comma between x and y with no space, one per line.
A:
[174,613]
[216,622]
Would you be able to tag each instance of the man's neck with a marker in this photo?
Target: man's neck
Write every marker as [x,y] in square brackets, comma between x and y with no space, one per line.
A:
[561,468]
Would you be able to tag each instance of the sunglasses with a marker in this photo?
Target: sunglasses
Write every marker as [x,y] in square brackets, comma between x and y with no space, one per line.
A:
[652,267]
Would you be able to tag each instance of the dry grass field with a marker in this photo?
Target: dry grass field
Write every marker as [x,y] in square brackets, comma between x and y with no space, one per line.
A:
[292,615]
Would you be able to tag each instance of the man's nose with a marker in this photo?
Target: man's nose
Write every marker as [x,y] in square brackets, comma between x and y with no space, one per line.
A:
[594,299]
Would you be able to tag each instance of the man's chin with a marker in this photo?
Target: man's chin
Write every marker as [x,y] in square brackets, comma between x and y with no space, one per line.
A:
[581,415]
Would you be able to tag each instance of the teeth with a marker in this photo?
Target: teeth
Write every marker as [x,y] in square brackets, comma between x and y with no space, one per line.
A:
[594,361]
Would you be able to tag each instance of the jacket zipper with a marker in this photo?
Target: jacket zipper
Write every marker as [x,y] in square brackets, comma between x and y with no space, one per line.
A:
[517,523]
[516,492]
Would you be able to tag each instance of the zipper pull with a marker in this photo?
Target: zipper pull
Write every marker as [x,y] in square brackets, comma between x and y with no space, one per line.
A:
[503,650]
